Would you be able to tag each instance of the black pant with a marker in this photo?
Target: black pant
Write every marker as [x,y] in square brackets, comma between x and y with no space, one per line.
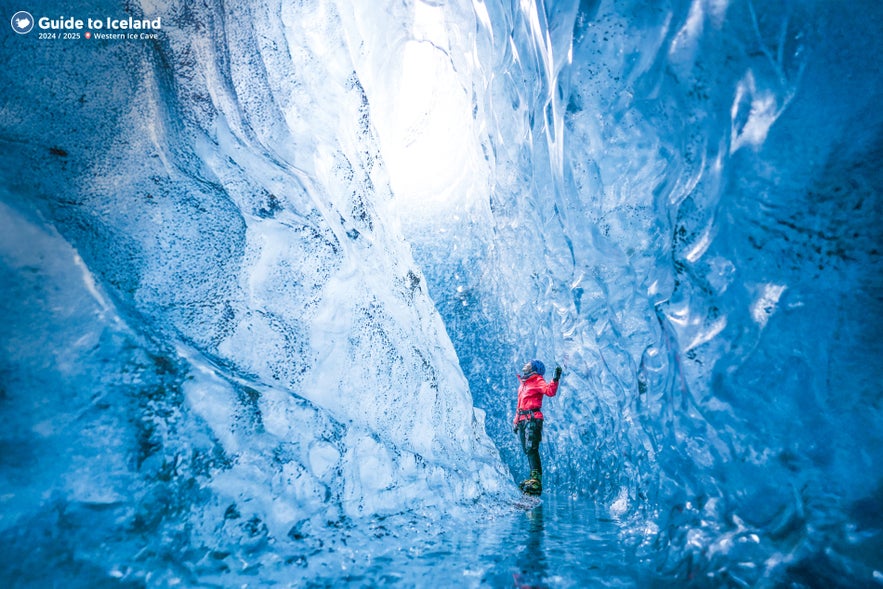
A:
[530,432]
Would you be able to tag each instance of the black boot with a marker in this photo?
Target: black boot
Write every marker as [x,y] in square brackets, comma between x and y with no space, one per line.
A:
[533,485]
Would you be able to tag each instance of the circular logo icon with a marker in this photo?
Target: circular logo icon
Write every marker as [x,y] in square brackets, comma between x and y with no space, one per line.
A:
[22,22]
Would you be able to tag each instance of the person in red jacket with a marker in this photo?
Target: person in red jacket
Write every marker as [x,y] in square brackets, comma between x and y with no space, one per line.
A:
[528,422]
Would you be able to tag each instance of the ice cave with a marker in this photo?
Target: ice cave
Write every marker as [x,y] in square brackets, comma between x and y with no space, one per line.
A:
[269,275]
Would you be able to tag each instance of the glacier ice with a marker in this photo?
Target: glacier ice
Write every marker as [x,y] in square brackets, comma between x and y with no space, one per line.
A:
[267,281]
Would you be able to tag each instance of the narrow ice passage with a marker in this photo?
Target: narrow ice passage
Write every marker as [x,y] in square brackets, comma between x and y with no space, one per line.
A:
[267,280]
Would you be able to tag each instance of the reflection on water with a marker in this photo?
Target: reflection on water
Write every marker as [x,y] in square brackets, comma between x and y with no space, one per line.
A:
[531,555]
[559,543]
[555,543]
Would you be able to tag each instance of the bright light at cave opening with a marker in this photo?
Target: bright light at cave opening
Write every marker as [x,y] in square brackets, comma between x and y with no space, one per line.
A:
[430,147]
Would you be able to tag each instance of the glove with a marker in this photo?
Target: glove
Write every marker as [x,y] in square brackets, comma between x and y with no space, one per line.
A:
[557,376]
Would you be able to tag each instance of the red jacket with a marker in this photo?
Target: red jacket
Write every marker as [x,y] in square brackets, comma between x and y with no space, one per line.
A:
[530,395]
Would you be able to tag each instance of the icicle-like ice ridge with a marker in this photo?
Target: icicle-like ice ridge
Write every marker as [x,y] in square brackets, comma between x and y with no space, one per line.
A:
[700,130]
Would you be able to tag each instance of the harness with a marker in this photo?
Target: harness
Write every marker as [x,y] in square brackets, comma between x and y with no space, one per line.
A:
[528,412]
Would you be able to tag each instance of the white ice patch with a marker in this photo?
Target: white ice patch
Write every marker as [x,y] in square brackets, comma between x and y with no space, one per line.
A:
[751,127]
[693,329]
[89,283]
[212,398]
[621,504]
[765,304]
[720,273]
[323,457]
[717,11]
[684,44]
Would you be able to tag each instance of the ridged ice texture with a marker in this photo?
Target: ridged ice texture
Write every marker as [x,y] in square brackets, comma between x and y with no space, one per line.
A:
[678,202]
[733,145]
[683,210]
[213,340]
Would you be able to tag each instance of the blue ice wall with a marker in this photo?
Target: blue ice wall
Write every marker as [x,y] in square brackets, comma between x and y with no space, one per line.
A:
[703,185]
[212,339]
[268,278]
[670,194]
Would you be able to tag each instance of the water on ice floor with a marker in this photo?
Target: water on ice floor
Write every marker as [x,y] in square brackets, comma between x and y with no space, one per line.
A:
[561,542]
[558,543]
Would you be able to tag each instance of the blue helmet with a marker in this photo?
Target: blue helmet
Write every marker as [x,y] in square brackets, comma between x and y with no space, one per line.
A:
[538,367]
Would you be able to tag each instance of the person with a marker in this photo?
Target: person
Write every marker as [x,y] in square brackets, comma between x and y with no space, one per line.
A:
[528,424]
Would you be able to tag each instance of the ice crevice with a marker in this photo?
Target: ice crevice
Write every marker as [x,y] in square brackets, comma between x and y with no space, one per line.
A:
[268,279]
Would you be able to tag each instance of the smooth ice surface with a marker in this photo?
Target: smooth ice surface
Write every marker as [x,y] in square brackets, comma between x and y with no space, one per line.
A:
[268,278]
